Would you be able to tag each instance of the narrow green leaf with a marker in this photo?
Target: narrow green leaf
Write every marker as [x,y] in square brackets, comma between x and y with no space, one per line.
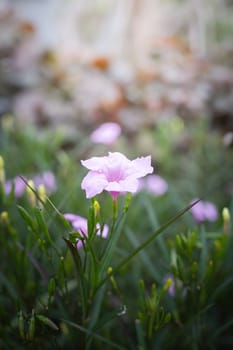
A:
[51,287]
[44,229]
[46,321]
[75,254]
[82,281]
[91,222]
[148,241]
[140,335]
[222,286]
[223,328]
[112,240]
[95,312]
[40,221]
[150,266]
[60,215]
[95,335]
[27,218]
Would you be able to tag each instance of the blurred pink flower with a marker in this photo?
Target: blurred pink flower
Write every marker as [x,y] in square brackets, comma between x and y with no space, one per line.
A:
[106,133]
[204,211]
[155,184]
[114,173]
[47,179]
[80,225]
[19,186]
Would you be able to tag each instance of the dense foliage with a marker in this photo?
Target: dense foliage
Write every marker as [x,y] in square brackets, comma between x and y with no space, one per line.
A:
[160,280]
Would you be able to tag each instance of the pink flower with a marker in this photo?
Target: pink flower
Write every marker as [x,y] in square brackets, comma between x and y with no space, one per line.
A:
[154,184]
[114,173]
[80,225]
[47,179]
[204,211]
[19,186]
[106,133]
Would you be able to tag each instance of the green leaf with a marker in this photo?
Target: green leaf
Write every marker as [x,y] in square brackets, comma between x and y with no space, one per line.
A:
[81,277]
[40,221]
[140,335]
[51,287]
[46,321]
[148,241]
[44,229]
[112,240]
[95,335]
[27,218]
[150,266]
[91,222]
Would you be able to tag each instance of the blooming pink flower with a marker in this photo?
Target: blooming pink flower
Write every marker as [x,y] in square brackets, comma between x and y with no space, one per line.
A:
[114,173]
[204,211]
[106,133]
[80,225]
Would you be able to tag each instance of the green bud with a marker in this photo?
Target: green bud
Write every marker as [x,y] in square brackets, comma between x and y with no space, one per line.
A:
[31,328]
[42,195]
[226,214]
[226,220]
[96,207]
[30,192]
[51,287]
[168,284]
[2,170]
[109,270]
[47,322]
[4,217]
[167,318]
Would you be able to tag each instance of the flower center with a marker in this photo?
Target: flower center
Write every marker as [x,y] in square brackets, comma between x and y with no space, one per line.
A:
[115,173]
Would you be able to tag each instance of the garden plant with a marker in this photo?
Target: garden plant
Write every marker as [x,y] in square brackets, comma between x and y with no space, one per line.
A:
[98,251]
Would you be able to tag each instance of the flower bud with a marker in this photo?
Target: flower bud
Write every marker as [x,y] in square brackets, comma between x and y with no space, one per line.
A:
[2,170]
[4,217]
[31,193]
[168,283]
[21,325]
[96,207]
[42,195]
[31,327]
[226,220]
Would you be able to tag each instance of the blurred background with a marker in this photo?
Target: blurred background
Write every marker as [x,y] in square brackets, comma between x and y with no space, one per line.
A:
[162,70]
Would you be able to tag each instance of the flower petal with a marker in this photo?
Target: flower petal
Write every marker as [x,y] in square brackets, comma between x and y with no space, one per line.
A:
[72,217]
[128,185]
[94,163]
[94,183]
[102,232]
[106,133]
[142,166]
